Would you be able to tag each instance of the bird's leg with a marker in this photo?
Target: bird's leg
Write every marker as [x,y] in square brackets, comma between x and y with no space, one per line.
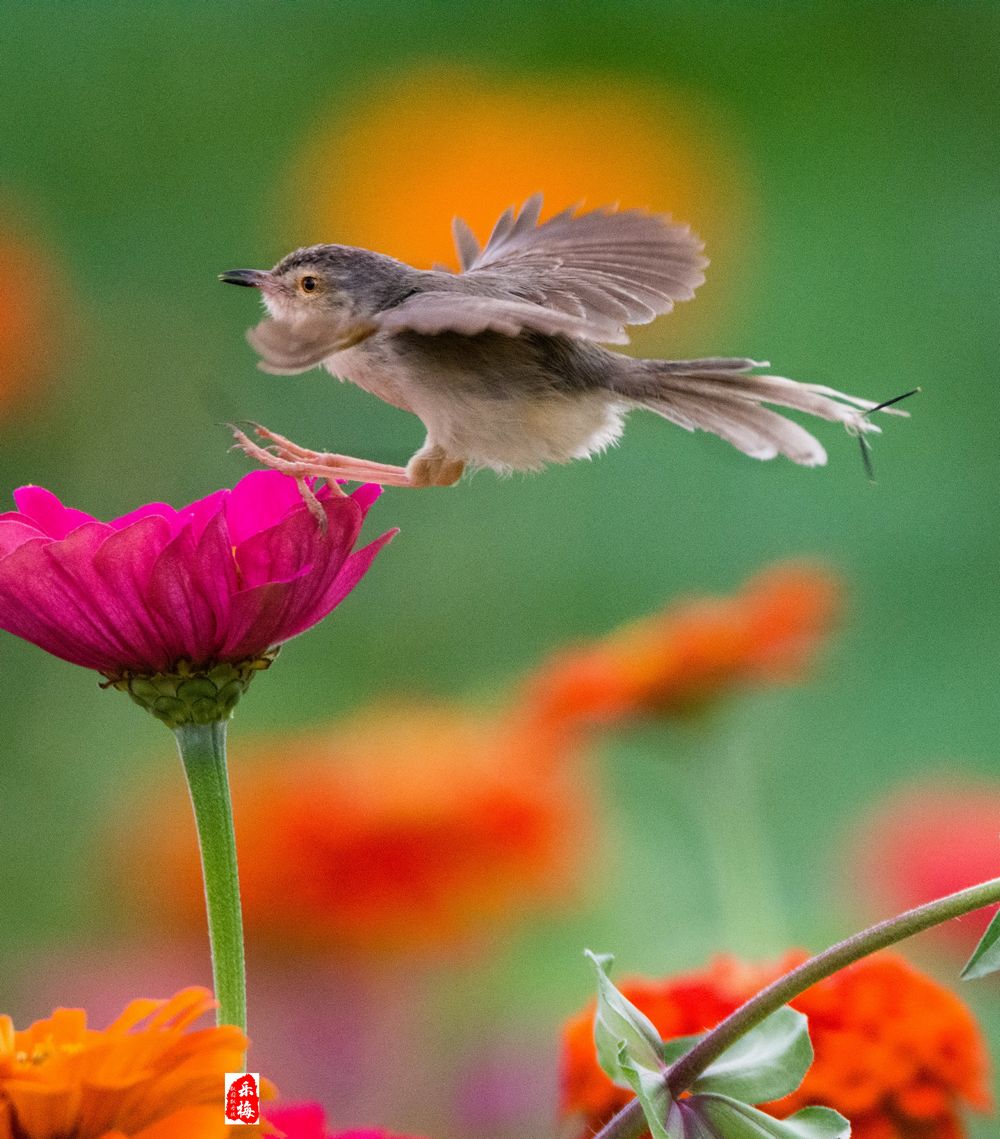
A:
[430,466]
[291,459]
[433,466]
[338,465]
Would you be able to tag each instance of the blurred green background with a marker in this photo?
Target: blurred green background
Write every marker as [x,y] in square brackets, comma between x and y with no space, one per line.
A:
[850,156]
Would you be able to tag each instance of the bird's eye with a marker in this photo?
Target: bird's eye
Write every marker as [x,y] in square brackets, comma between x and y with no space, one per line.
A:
[308,284]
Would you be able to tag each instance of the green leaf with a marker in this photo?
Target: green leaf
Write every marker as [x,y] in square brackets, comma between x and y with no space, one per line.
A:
[714,1116]
[766,1063]
[985,958]
[651,1091]
[629,1049]
[675,1048]
[621,1029]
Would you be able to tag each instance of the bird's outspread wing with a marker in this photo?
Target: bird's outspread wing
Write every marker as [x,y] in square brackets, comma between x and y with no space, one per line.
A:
[586,276]
[628,265]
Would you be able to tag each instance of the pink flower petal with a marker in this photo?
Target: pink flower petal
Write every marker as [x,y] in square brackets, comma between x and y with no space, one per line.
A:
[276,606]
[299,1121]
[257,619]
[283,550]
[215,565]
[308,1121]
[366,495]
[45,601]
[205,510]
[352,571]
[260,500]
[150,510]
[190,614]
[43,507]
[15,531]
[122,568]
[224,578]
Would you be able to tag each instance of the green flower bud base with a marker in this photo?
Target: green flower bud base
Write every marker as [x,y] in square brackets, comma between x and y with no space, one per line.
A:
[193,694]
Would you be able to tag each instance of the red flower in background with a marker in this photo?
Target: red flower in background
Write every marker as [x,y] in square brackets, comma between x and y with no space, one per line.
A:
[404,828]
[675,662]
[926,840]
[895,1052]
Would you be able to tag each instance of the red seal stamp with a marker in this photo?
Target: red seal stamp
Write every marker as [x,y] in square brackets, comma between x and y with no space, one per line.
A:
[242,1097]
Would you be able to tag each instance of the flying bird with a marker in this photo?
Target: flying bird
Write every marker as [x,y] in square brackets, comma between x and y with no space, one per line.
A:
[504,361]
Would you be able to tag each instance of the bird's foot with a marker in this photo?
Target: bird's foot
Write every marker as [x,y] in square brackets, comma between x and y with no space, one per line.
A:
[283,455]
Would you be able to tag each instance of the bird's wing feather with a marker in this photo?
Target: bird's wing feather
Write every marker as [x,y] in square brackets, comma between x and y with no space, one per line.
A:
[466,244]
[468,314]
[586,276]
[627,266]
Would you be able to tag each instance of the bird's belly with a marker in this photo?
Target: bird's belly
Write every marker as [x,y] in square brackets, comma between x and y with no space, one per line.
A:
[523,434]
[496,421]
[372,371]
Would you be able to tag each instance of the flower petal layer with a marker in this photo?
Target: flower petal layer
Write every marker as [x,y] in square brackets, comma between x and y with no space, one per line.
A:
[146,1076]
[225,578]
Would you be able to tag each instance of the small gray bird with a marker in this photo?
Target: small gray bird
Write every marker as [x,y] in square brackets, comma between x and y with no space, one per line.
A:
[503,360]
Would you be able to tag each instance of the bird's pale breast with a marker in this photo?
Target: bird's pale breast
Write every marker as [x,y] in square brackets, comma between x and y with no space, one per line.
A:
[497,415]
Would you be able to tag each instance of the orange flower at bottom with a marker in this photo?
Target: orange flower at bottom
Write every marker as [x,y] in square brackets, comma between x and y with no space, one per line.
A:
[896,1053]
[675,661]
[144,1077]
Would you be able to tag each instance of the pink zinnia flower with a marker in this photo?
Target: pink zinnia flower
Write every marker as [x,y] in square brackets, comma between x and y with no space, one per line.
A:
[308,1121]
[220,582]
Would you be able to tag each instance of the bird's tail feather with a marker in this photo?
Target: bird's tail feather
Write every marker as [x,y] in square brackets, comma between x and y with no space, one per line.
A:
[724,397]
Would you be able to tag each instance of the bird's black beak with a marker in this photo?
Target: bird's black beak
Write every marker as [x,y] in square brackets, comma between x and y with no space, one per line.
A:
[248,278]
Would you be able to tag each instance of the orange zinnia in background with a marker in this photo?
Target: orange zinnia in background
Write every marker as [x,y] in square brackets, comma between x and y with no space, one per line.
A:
[411,152]
[895,1052]
[146,1076]
[676,661]
[409,827]
[32,319]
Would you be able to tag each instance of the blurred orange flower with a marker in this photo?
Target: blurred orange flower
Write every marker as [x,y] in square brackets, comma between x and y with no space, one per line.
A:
[416,150]
[143,1077]
[675,661]
[30,320]
[896,1053]
[927,840]
[405,828]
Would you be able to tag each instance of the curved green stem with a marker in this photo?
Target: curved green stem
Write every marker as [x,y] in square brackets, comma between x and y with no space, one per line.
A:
[203,752]
[630,1122]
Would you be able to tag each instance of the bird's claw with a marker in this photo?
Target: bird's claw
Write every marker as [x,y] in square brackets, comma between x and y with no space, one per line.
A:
[283,455]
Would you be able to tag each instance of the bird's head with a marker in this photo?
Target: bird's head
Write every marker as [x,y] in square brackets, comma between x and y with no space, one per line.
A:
[331,282]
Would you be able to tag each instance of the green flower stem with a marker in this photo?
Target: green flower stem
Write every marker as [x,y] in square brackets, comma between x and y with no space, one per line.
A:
[203,752]
[724,795]
[630,1122]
